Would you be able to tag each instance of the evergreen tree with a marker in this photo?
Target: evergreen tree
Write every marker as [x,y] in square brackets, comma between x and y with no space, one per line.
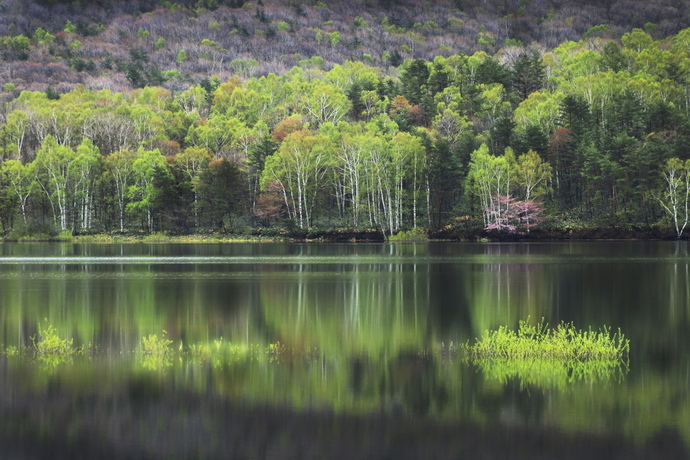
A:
[528,75]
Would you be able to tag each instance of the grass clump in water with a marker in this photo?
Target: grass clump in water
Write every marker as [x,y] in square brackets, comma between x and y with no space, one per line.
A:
[549,358]
[538,341]
[50,348]
[154,345]
[220,352]
[156,352]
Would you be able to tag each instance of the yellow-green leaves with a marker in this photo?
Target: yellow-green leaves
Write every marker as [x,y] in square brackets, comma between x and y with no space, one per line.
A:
[550,358]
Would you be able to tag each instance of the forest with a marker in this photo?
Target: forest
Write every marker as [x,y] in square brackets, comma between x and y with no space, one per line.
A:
[301,118]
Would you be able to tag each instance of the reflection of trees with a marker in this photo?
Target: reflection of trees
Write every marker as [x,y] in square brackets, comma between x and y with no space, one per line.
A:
[679,285]
[373,308]
[421,390]
[548,374]
[370,320]
[503,286]
[113,305]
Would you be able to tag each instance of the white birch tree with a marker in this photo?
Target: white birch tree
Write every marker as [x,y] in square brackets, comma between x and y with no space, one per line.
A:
[676,194]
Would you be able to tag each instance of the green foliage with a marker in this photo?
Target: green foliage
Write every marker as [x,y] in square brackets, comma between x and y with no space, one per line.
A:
[220,353]
[18,47]
[70,28]
[12,351]
[550,358]
[157,237]
[261,16]
[181,57]
[333,38]
[512,42]
[52,94]
[533,372]
[65,235]
[359,22]
[565,342]
[43,37]
[528,74]
[415,234]
[156,352]
[49,348]
[604,118]
[154,345]
[484,38]
[600,30]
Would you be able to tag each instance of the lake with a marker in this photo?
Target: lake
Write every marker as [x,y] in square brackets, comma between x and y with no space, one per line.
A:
[289,350]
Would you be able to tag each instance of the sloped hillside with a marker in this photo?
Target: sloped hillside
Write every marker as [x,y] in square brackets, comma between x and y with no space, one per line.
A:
[121,45]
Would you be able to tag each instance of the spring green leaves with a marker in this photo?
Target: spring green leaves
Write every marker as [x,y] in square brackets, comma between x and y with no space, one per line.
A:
[536,355]
[547,358]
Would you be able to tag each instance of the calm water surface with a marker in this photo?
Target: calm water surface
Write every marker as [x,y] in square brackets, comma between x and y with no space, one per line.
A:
[358,329]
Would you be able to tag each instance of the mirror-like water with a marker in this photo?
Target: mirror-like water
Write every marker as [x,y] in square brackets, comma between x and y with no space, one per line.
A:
[335,331]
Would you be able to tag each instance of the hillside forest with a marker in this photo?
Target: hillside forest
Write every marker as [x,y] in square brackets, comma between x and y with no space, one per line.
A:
[136,125]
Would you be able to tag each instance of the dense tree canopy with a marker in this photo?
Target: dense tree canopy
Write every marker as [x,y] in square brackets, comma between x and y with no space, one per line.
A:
[585,131]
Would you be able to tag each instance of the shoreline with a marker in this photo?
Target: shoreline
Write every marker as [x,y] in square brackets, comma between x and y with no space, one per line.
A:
[367,236]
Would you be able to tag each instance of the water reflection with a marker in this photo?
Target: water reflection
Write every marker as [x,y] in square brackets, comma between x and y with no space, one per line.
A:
[360,326]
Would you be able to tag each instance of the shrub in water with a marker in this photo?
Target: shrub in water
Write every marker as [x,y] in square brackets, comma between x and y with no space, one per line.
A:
[156,352]
[564,342]
[544,357]
[50,348]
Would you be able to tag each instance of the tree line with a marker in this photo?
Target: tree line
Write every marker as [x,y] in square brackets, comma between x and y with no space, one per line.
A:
[584,132]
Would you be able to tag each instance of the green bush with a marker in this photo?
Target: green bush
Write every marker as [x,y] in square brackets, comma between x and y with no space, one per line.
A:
[562,343]
[415,234]
[50,349]
[65,235]
[154,345]
[156,352]
[549,358]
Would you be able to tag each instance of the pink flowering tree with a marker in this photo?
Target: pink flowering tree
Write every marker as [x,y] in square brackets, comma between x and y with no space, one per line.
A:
[514,216]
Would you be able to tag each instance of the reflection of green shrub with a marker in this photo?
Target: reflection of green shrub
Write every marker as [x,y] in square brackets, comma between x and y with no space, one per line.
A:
[12,351]
[549,373]
[545,357]
[564,342]
[49,343]
[219,352]
[50,348]
[156,352]
[154,345]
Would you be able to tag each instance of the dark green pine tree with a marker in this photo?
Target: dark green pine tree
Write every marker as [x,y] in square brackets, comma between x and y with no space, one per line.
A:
[444,181]
[501,134]
[221,192]
[575,116]
[168,204]
[414,80]
[528,75]
[568,145]
[439,79]
[612,58]
[534,138]
[490,71]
